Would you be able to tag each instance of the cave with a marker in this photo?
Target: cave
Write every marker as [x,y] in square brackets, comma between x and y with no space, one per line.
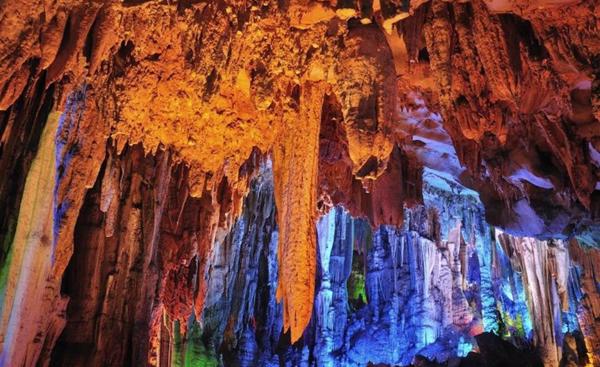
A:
[315,183]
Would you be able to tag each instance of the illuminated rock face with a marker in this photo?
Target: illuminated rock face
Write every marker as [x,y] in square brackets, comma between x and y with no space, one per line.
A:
[130,131]
[394,295]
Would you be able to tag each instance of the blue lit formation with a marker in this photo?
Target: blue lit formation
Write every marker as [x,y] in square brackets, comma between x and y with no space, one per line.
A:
[382,296]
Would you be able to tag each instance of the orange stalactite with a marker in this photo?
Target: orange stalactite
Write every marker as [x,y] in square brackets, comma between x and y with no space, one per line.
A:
[295,171]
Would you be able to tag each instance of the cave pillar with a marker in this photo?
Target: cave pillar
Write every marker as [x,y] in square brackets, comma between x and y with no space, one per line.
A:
[25,278]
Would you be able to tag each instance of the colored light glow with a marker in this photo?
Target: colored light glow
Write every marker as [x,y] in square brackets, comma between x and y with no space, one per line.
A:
[421,301]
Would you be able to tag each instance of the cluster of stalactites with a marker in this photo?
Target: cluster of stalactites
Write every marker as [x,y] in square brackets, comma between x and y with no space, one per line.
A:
[519,288]
[554,274]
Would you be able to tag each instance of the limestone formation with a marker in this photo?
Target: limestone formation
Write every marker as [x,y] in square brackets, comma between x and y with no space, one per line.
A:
[359,178]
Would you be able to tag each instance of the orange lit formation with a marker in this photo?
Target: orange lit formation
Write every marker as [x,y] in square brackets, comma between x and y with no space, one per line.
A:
[164,111]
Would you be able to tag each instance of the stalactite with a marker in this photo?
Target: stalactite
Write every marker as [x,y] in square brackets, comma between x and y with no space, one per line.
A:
[113,274]
[585,296]
[536,260]
[295,169]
